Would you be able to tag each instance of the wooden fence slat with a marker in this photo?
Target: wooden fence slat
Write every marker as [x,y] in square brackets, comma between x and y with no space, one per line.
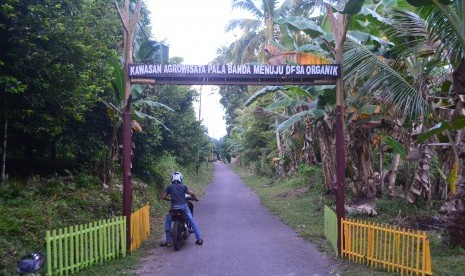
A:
[423,268]
[65,245]
[73,248]
[140,227]
[96,242]
[123,237]
[49,252]
[55,258]
[389,247]
[117,237]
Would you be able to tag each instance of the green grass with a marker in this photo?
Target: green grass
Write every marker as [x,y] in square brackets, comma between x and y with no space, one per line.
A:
[299,199]
[29,208]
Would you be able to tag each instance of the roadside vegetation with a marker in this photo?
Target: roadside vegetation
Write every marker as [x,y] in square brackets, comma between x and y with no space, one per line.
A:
[403,111]
[299,202]
[30,208]
[61,113]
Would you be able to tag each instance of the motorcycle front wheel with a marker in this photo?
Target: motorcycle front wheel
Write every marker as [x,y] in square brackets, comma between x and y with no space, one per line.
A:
[176,232]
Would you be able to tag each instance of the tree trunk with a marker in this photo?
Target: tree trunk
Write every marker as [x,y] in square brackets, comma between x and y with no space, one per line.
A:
[421,185]
[396,133]
[456,223]
[363,176]
[280,153]
[129,20]
[327,151]
[393,174]
[5,136]
[308,152]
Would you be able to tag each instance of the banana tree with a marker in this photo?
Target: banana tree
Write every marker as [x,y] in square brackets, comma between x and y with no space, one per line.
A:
[451,31]
[427,42]
[454,13]
[445,27]
[300,112]
[115,106]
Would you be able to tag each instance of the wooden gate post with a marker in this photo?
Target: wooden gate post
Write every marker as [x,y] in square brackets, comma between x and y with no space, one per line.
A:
[129,22]
[339,26]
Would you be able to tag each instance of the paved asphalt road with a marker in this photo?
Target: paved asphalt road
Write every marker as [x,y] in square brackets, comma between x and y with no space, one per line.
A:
[240,238]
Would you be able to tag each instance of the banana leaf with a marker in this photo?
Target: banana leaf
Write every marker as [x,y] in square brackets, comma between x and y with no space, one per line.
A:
[313,113]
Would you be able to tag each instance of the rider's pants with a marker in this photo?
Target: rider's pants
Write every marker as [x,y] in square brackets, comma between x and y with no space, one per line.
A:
[169,219]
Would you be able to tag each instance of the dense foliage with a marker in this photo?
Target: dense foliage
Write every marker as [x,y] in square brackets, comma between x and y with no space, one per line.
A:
[403,67]
[58,82]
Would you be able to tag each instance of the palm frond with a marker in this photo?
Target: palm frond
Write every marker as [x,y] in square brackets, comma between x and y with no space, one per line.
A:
[269,8]
[249,6]
[243,24]
[375,77]
[443,31]
[363,38]
[244,50]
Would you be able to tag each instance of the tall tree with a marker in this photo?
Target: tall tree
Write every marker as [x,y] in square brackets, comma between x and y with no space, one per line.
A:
[261,29]
[59,52]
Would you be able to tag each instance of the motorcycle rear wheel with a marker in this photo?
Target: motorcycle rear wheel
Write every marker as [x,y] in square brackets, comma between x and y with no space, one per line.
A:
[176,232]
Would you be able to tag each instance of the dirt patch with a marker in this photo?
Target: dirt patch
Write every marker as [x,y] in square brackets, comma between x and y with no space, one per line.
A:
[421,222]
[424,223]
[294,193]
[362,201]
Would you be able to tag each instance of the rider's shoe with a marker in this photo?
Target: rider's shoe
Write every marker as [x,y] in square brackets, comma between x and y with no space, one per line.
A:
[165,244]
[199,242]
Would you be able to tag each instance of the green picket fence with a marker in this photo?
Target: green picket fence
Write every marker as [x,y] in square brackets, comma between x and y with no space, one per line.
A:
[72,248]
[331,227]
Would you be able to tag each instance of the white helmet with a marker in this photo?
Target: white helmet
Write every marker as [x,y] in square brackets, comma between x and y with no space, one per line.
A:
[177,176]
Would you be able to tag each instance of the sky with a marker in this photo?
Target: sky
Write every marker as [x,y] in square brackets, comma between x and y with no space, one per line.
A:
[194,30]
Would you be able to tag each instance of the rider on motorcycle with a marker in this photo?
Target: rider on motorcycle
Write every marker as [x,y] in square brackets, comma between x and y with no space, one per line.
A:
[178,192]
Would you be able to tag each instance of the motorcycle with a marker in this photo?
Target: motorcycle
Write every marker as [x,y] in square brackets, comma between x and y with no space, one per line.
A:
[180,228]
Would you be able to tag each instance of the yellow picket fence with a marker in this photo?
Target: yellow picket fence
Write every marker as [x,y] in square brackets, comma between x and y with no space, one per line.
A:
[386,247]
[140,227]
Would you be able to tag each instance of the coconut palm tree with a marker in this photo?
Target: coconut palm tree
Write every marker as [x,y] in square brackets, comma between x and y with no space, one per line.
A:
[261,29]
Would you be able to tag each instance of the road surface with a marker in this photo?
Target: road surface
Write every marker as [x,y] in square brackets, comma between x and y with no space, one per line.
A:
[240,237]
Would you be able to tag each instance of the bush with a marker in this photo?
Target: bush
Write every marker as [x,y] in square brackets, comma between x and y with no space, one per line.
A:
[162,170]
[307,170]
